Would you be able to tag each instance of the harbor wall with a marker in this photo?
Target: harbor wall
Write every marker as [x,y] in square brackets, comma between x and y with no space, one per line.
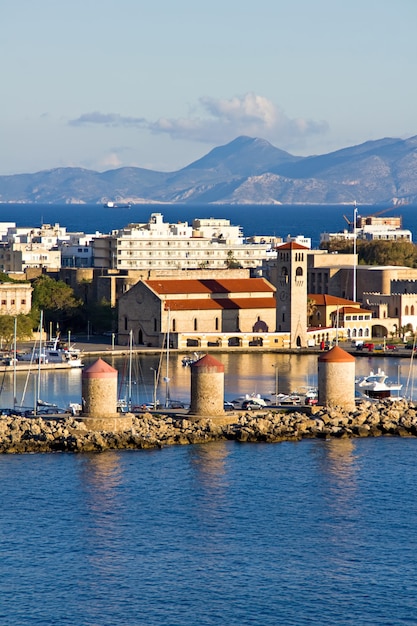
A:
[38,435]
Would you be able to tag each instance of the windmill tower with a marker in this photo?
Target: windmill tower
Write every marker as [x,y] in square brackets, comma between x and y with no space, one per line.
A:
[291,284]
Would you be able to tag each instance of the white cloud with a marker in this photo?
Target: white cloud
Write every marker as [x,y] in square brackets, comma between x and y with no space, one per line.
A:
[107,119]
[215,121]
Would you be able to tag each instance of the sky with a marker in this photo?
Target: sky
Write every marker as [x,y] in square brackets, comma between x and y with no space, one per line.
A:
[157,84]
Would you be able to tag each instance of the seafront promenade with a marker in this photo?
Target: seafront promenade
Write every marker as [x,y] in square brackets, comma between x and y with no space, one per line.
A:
[102,345]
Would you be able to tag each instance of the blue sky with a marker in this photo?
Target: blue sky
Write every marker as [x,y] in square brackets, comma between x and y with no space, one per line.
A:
[157,84]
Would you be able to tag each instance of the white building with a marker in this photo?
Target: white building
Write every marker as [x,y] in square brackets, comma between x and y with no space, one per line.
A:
[370,228]
[78,250]
[157,245]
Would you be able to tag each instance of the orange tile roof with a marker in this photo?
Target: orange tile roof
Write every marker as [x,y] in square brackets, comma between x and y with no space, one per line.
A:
[324,299]
[200,304]
[209,285]
[352,309]
[291,245]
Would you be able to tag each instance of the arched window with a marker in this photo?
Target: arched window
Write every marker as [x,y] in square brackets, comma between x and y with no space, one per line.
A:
[284,271]
[406,310]
[299,271]
[412,310]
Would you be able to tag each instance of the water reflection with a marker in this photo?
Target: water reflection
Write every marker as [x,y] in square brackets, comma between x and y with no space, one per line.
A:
[101,477]
[338,468]
[208,464]
[244,374]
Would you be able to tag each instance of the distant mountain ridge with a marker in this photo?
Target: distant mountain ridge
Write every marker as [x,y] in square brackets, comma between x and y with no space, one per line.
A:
[245,171]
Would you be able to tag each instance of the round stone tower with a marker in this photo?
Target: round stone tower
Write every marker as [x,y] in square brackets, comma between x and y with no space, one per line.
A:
[99,390]
[99,399]
[336,378]
[207,387]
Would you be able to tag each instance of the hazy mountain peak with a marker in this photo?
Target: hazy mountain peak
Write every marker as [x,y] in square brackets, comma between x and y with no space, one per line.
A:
[245,170]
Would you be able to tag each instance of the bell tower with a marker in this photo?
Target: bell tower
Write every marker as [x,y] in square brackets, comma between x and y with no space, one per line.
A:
[291,284]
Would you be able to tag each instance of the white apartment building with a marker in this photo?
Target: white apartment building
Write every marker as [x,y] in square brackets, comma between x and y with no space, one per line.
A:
[19,257]
[371,228]
[157,245]
[78,250]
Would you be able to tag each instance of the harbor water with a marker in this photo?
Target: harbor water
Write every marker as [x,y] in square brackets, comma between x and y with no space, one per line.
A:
[245,374]
[315,532]
[223,534]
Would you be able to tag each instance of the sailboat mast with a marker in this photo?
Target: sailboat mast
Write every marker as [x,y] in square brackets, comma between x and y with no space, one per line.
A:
[129,399]
[167,364]
[14,362]
[38,394]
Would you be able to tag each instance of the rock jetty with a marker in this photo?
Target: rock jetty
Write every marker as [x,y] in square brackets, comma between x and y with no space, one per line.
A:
[30,435]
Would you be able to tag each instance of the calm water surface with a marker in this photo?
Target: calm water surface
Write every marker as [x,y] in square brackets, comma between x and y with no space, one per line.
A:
[295,533]
[244,374]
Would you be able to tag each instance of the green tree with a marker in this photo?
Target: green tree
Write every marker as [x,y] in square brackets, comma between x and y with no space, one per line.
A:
[56,299]
[377,252]
[23,328]
[101,316]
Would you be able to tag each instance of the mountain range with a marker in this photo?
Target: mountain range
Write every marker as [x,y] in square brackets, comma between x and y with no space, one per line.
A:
[245,171]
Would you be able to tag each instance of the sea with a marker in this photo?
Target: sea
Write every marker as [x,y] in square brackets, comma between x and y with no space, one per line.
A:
[224,534]
[278,220]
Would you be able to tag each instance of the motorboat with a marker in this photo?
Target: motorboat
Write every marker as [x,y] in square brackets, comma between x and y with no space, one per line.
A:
[52,353]
[189,360]
[376,386]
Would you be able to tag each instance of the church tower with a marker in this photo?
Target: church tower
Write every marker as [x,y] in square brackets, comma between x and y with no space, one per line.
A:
[291,284]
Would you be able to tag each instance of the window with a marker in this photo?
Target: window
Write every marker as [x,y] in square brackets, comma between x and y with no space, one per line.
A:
[195,323]
[216,323]
[299,271]
[406,310]
[174,326]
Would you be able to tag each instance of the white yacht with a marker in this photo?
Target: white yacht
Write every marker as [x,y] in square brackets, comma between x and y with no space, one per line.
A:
[376,386]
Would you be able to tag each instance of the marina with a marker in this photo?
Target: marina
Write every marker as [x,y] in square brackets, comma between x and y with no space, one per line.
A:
[264,373]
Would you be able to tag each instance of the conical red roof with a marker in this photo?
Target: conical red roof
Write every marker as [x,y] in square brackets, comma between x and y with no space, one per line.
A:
[336,355]
[99,369]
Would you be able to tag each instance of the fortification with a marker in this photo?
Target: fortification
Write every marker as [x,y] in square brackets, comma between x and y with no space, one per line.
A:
[336,379]
[99,399]
[207,387]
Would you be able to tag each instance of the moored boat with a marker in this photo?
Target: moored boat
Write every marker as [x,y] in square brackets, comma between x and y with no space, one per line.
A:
[53,354]
[376,386]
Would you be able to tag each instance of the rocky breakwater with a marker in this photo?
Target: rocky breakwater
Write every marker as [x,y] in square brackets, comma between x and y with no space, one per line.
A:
[28,435]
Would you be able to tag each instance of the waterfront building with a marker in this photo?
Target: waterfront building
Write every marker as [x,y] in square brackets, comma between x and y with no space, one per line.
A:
[199,313]
[371,228]
[291,296]
[157,245]
[348,318]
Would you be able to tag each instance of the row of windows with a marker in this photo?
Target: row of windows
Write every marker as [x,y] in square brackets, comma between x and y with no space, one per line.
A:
[12,302]
[354,318]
